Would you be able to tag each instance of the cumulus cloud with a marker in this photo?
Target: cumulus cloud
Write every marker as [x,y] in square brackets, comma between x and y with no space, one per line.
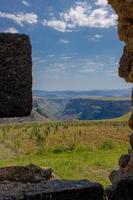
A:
[25,3]
[83,15]
[11,30]
[20,18]
[101,2]
[56,24]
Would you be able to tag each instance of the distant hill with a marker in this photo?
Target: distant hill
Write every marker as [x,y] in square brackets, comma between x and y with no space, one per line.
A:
[124,117]
[95,109]
[76,94]
[82,108]
[49,108]
[73,105]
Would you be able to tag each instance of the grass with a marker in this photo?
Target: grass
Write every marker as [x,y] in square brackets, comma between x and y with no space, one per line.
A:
[82,164]
[74,150]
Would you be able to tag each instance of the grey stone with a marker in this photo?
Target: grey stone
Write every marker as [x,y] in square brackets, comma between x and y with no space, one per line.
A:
[123,161]
[34,183]
[15,75]
[52,190]
[123,190]
[126,65]
[29,174]
[115,176]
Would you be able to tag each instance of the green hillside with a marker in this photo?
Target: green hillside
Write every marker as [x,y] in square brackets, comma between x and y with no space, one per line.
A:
[82,108]
[124,117]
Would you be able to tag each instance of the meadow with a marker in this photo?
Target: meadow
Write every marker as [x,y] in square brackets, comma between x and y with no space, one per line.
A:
[74,150]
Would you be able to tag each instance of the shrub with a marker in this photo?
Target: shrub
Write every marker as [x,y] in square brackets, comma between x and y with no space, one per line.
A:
[108,144]
[64,148]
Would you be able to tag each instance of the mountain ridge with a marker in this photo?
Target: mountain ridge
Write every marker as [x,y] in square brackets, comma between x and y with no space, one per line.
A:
[95,93]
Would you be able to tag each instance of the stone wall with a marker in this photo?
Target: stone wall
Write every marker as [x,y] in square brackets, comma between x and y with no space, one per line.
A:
[122,179]
[33,183]
[124,10]
[15,75]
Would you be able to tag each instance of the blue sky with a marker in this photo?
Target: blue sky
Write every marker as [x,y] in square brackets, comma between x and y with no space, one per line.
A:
[75,43]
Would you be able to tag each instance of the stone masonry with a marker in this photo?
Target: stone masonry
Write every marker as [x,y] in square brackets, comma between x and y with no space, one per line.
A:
[15,75]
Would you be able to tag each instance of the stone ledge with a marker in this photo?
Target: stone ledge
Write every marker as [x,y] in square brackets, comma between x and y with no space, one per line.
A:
[35,183]
[51,190]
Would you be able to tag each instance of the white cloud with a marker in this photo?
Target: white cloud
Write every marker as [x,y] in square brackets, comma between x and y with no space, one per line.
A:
[25,3]
[95,37]
[11,30]
[56,24]
[101,2]
[20,18]
[63,41]
[83,15]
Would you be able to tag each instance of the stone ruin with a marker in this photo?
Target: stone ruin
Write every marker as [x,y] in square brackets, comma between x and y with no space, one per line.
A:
[122,179]
[31,182]
[15,75]
[124,10]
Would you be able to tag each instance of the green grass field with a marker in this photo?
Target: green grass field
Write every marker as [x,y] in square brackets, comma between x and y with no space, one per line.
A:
[74,150]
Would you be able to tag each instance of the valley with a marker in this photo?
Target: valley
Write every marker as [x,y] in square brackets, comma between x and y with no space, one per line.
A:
[82,105]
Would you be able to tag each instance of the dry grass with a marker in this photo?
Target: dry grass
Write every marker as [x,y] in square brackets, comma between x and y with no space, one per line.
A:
[26,139]
[75,150]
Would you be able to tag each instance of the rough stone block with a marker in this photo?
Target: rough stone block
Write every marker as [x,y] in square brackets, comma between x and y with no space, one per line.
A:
[51,190]
[123,190]
[126,65]
[124,10]
[15,75]
[34,183]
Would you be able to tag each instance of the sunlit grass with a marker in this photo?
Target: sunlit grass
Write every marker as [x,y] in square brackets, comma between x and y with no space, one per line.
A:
[74,150]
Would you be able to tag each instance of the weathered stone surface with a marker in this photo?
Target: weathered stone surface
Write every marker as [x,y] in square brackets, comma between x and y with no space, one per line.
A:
[51,190]
[15,75]
[123,161]
[125,168]
[34,183]
[123,190]
[124,10]
[126,65]
[115,176]
[30,173]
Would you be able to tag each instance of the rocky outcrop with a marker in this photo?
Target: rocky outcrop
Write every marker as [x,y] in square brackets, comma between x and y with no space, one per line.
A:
[122,190]
[122,179]
[30,174]
[15,75]
[125,168]
[124,10]
[51,190]
[34,183]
